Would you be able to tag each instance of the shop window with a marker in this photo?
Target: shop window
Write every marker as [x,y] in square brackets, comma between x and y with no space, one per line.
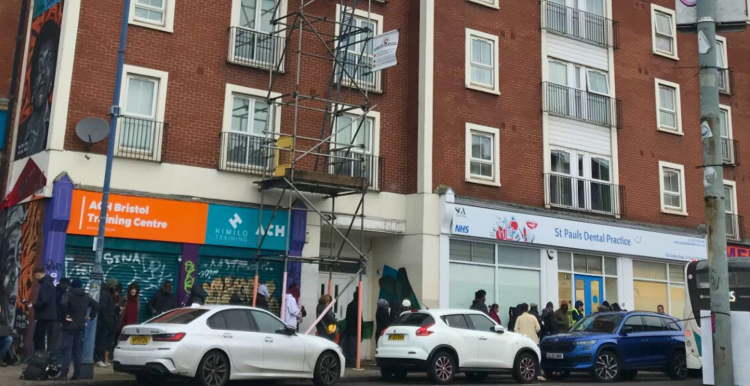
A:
[466,279]
[611,293]
[610,266]
[564,286]
[472,252]
[649,295]
[516,286]
[677,300]
[649,271]
[676,273]
[519,257]
[588,264]
[564,262]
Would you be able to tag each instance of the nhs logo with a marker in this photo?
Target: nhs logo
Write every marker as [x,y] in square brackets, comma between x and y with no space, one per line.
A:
[461,229]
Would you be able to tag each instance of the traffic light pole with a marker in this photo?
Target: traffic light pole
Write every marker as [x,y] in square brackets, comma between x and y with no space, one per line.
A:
[713,183]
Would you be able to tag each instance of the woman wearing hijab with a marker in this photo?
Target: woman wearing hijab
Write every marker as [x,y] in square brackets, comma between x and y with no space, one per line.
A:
[262,299]
[382,318]
[132,307]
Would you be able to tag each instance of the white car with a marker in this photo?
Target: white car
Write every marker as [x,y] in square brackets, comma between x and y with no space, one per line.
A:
[446,342]
[216,344]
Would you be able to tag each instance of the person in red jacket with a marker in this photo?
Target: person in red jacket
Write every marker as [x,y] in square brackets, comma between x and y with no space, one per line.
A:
[494,313]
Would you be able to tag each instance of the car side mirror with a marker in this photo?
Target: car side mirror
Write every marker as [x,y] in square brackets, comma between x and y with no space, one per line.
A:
[288,330]
[627,330]
[498,329]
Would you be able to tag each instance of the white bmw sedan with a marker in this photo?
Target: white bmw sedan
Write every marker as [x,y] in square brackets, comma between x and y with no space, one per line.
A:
[216,344]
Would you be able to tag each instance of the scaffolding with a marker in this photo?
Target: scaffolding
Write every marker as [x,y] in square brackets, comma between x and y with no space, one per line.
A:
[339,161]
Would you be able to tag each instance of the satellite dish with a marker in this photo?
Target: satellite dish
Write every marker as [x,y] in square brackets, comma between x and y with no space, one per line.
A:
[92,130]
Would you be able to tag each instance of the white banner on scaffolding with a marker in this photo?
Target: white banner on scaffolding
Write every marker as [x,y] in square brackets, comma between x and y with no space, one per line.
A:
[384,50]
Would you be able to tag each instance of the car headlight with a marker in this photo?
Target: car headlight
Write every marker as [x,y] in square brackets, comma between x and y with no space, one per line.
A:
[585,343]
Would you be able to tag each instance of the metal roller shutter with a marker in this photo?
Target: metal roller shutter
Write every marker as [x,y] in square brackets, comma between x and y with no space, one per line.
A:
[222,276]
[148,269]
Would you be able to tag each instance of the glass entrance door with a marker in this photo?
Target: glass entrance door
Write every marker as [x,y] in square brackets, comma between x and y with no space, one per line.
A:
[589,290]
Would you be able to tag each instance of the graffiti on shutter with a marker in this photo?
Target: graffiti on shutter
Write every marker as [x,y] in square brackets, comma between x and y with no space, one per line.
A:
[222,277]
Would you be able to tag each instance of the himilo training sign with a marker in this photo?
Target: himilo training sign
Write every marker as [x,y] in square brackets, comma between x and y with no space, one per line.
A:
[555,232]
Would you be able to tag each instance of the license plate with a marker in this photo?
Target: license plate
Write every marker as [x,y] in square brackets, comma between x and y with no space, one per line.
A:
[140,340]
[396,337]
[551,355]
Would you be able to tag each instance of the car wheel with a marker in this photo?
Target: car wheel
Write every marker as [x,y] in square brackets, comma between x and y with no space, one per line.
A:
[213,370]
[477,377]
[393,375]
[327,369]
[677,367]
[526,368]
[607,367]
[629,374]
[442,368]
[556,375]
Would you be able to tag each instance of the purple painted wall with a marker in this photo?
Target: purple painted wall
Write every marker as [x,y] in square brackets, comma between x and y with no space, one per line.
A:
[57,215]
[188,272]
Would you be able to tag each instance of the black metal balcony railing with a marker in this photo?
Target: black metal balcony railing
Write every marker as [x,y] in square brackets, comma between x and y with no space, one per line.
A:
[730,152]
[245,153]
[582,194]
[358,69]
[735,229]
[138,138]
[353,164]
[580,104]
[578,24]
[254,48]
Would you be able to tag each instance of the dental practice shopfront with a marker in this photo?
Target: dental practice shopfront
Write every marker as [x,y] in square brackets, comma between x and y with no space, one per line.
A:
[519,257]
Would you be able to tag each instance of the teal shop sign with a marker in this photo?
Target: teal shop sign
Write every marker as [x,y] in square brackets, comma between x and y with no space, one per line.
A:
[240,227]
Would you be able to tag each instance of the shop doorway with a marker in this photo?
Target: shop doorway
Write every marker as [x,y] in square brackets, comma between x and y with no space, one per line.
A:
[589,290]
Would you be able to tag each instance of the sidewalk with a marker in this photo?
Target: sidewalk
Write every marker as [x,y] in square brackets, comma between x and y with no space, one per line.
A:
[9,376]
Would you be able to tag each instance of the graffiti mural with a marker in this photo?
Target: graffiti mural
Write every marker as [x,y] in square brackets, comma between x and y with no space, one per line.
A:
[221,278]
[39,81]
[395,287]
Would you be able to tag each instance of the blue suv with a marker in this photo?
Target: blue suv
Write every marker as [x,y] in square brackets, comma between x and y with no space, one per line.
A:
[613,345]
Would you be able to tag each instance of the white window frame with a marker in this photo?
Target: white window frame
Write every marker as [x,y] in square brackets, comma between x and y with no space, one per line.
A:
[235,22]
[678,107]
[683,199]
[588,81]
[378,19]
[230,92]
[495,89]
[669,282]
[724,74]
[655,8]
[166,26]
[162,79]
[493,133]
[487,3]
[730,135]
[374,137]
[735,210]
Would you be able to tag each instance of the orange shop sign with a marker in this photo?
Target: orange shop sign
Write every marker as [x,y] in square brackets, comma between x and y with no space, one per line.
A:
[139,218]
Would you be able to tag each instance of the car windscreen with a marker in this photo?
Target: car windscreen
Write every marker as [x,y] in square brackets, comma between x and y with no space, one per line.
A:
[414,320]
[606,323]
[178,316]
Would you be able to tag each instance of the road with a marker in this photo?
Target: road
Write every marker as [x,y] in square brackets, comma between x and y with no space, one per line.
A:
[369,376]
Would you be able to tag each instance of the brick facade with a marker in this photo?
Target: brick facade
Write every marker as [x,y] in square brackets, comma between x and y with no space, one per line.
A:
[195,56]
[9,13]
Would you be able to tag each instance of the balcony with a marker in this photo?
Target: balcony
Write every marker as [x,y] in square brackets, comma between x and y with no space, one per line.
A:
[141,139]
[580,25]
[581,105]
[730,152]
[585,195]
[354,164]
[255,49]
[357,71]
[245,153]
[735,230]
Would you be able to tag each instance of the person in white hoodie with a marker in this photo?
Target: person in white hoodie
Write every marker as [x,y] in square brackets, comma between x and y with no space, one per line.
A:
[291,308]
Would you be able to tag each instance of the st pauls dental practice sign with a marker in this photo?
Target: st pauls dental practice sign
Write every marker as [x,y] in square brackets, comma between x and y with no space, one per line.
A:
[548,231]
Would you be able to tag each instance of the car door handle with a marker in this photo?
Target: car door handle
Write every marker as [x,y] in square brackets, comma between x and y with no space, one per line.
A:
[482,338]
[228,336]
[269,340]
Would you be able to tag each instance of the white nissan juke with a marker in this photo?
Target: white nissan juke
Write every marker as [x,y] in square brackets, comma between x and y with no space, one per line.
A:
[446,342]
[216,344]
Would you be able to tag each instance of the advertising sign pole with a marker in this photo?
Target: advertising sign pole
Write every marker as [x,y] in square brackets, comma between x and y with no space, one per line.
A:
[97,275]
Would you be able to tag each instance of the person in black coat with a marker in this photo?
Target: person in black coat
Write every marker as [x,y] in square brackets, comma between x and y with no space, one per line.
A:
[382,318]
[106,324]
[163,300]
[550,322]
[54,336]
[350,334]
[77,308]
[196,296]
[329,319]
[261,300]
[45,308]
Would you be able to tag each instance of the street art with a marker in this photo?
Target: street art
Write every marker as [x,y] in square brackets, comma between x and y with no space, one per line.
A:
[148,271]
[39,80]
[189,276]
[11,267]
[221,278]
[395,287]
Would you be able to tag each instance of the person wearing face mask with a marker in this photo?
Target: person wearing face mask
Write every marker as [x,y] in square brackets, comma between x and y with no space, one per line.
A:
[163,300]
